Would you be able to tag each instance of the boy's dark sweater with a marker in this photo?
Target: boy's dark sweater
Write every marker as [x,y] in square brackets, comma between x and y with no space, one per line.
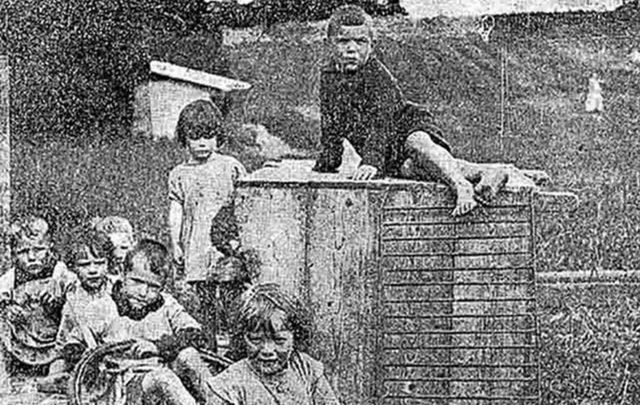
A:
[368,108]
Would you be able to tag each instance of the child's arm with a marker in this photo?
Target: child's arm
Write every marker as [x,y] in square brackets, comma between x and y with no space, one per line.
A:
[175,227]
[331,136]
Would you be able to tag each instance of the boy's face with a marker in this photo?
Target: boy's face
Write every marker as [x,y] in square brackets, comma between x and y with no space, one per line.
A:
[140,286]
[201,149]
[122,243]
[32,254]
[351,47]
[91,271]
[269,352]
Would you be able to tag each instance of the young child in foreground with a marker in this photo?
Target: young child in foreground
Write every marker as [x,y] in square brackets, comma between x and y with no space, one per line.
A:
[273,330]
[201,195]
[360,101]
[164,355]
[32,293]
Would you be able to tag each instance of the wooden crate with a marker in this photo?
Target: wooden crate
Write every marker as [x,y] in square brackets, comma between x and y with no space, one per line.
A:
[411,304]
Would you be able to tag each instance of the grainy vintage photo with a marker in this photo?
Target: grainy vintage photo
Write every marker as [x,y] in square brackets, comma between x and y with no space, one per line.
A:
[278,202]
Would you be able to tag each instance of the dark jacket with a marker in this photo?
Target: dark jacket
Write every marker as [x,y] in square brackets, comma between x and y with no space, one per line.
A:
[368,108]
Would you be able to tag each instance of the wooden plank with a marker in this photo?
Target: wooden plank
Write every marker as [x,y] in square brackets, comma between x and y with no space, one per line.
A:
[273,221]
[342,271]
[441,216]
[196,77]
[5,186]
[458,230]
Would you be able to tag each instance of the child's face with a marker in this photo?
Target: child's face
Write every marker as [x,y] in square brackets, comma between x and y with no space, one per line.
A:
[122,243]
[31,255]
[91,271]
[201,149]
[351,47]
[140,286]
[269,352]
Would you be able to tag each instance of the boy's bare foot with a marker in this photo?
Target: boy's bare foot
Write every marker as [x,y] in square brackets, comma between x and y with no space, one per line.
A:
[540,177]
[490,183]
[465,201]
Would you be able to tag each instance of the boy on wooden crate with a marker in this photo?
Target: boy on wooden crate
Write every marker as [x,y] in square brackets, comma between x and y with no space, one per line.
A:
[164,356]
[271,332]
[360,101]
[32,293]
[201,205]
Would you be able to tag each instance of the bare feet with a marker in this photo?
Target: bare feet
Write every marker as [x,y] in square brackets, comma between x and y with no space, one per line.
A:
[465,201]
[491,182]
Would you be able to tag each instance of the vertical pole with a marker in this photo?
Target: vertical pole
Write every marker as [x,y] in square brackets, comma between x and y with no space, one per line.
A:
[5,154]
[5,193]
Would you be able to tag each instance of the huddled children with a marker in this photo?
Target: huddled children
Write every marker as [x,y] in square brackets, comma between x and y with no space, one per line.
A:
[201,194]
[163,359]
[32,294]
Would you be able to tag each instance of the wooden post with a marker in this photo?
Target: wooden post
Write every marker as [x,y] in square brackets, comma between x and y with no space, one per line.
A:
[5,189]
[5,154]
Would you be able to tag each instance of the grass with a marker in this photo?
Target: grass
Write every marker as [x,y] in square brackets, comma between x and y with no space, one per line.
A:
[588,335]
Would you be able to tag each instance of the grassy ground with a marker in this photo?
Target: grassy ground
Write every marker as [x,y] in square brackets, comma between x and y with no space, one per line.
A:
[586,334]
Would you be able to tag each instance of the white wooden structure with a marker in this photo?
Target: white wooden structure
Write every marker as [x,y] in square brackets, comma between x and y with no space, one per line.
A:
[158,103]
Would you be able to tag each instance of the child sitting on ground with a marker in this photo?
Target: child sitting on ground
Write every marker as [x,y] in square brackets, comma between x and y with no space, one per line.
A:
[201,192]
[117,233]
[32,294]
[87,257]
[166,336]
[272,330]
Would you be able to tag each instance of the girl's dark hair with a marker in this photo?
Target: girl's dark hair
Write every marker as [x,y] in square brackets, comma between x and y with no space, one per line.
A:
[154,256]
[254,309]
[200,119]
[83,245]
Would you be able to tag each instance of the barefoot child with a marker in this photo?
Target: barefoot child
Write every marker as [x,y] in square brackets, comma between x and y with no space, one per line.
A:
[272,329]
[117,233]
[32,294]
[360,101]
[164,354]
[200,193]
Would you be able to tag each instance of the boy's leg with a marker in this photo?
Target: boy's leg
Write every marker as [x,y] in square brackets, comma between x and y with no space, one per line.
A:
[164,384]
[191,369]
[5,367]
[430,160]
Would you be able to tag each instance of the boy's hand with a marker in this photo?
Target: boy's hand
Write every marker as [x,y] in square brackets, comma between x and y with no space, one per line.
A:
[143,349]
[365,172]
[178,256]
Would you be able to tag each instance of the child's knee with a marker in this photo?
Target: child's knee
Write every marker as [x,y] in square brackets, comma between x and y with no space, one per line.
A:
[159,380]
[419,142]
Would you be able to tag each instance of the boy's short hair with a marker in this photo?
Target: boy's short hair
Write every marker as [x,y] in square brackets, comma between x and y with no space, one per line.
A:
[81,246]
[200,118]
[111,224]
[153,255]
[349,16]
[29,227]
[255,307]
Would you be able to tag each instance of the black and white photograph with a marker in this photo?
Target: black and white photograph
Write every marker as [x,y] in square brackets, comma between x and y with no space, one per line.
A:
[319,202]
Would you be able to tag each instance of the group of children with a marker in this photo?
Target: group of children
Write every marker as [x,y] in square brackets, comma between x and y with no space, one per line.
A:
[107,289]
[111,289]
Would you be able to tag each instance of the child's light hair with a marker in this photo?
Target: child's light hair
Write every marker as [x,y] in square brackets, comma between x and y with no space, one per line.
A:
[111,224]
[349,16]
[254,309]
[30,228]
